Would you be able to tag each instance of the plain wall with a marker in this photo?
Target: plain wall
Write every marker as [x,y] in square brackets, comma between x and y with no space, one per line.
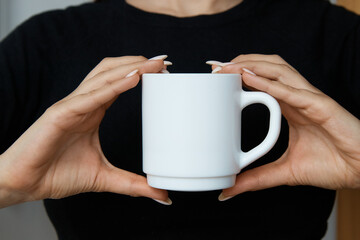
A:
[13,12]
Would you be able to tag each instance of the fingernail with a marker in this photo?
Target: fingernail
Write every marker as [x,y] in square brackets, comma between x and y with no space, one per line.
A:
[223,198]
[225,64]
[248,71]
[167,63]
[164,71]
[160,57]
[132,73]
[168,202]
[213,62]
[217,69]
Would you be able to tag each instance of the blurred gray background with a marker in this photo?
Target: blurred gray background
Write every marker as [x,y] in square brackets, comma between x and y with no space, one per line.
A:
[29,220]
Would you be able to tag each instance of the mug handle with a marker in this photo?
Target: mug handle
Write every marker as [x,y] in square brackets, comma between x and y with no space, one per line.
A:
[247,98]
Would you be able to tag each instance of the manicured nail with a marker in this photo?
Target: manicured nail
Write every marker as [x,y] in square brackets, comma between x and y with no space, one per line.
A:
[225,64]
[132,73]
[164,71]
[248,71]
[167,63]
[160,57]
[168,202]
[217,69]
[213,62]
[222,198]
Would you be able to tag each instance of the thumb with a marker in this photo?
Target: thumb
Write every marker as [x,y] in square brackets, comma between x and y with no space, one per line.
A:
[270,175]
[115,180]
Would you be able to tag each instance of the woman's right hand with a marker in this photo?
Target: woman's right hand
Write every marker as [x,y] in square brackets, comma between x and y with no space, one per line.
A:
[60,154]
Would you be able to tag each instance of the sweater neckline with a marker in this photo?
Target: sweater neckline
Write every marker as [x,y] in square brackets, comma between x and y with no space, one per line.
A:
[240,11]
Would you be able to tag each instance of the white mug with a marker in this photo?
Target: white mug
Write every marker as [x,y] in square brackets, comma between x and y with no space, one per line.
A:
[192,130]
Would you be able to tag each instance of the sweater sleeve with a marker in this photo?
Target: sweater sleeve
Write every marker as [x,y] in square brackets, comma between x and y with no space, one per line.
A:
[20,77]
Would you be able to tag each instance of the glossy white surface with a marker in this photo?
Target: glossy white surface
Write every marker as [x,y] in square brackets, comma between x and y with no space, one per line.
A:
[191,130]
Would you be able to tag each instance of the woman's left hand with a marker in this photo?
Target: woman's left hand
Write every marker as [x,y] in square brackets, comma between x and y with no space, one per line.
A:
[324,138]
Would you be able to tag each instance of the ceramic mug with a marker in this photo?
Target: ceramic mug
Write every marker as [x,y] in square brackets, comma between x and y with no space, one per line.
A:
[191,127]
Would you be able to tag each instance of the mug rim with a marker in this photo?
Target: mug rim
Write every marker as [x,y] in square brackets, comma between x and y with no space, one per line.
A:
[187,74]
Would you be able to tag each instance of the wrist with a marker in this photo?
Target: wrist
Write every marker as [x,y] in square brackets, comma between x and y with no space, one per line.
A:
[8,195]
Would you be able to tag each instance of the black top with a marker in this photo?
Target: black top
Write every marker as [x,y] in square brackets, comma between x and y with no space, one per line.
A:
[49,55]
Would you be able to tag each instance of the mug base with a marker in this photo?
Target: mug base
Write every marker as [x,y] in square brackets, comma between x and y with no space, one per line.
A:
[191,184]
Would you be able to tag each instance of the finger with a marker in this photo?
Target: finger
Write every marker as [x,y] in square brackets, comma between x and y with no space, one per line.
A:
[309,103]
[90,101]
[273,58]
[152,66]
[113,62]
[109,76]
[105,95]
[116,180]
[277,72]
[266,176]
[298,98]
[253,58]
[269,70]
[119,72]
[216,64]
[148,67]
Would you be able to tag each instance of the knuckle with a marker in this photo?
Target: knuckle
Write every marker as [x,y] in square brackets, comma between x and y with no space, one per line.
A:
[267,87]
[107,79]
[141,58]
[101,74]
[53,108]
[277,58]
[285,67]
[289,91]
[106,60]
[92,93]
[283,71]
[237,59]
[132,58]
[55,111]
[105,64]
[92,96]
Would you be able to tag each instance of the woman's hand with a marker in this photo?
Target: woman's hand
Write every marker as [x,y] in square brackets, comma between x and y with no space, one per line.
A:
[324,138]
[60,154]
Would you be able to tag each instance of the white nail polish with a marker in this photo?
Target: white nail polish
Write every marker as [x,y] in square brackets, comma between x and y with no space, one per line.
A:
[222,198]
[167,63]
[225,64]
[132,73]
[213,62]
[167,203]
[216,70]
[248,71]
[160,57]
[164,71]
